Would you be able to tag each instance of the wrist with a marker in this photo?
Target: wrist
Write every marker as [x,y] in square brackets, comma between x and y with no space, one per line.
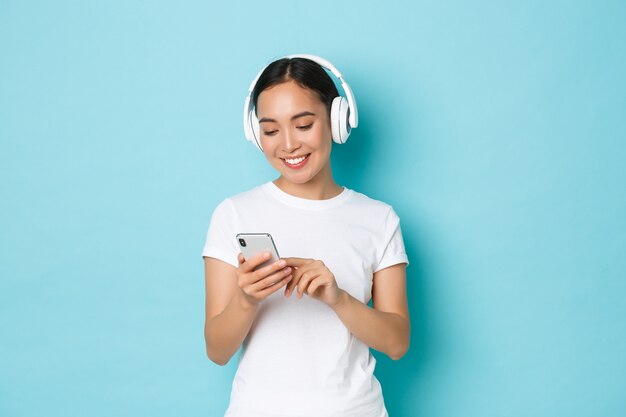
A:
[342,300]
[243,301]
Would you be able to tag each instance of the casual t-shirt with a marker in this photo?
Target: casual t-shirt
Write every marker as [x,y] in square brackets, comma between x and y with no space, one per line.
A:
[299,359]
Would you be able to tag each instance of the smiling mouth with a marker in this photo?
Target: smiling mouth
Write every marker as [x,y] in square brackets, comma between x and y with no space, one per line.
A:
[296,162]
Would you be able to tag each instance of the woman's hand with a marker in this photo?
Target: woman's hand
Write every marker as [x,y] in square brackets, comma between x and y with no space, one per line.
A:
[313,278]
[257,285]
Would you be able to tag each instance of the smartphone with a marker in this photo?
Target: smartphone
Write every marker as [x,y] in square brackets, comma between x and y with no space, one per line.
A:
[252,244]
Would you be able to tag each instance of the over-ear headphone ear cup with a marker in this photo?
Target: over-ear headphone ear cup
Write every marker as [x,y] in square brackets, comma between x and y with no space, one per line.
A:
[339,112]
[255,129]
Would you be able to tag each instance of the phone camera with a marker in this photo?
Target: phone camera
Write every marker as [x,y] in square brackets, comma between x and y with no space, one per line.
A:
[242,242]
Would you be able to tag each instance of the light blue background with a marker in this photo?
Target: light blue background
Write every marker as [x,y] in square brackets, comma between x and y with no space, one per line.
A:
[497,130]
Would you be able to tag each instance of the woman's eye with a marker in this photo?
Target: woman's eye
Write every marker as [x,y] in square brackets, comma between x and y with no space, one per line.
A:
[270,132]
[305,127]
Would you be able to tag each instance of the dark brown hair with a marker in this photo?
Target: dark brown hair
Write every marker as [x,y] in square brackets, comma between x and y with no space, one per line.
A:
[307,73]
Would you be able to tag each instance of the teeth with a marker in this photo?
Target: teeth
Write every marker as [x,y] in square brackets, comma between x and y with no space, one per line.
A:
[295,161]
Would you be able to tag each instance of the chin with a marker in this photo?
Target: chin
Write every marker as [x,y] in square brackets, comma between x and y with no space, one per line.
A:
[296,179]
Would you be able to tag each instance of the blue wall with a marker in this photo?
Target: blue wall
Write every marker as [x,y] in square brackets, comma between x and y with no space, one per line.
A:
[497,130]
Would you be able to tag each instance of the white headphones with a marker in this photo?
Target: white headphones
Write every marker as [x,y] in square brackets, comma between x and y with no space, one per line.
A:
[343,112]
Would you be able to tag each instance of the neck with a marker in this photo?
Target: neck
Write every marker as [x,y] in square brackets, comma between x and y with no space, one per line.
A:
[322,187]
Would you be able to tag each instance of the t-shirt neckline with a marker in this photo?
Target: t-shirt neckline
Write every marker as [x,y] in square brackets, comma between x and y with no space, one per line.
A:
[305,203]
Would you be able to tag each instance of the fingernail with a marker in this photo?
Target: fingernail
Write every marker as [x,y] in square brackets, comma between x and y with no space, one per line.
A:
[287,270]
[266,255]
[282,263]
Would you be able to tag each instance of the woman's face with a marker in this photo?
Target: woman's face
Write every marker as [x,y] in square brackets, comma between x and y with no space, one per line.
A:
[295,132]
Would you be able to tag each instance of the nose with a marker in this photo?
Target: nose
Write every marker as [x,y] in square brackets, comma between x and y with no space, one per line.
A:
[290,143]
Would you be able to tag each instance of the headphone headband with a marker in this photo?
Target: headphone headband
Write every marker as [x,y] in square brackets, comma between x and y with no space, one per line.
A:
[353,117]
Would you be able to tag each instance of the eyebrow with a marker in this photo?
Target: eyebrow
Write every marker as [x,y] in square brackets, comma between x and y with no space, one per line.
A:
[294,117]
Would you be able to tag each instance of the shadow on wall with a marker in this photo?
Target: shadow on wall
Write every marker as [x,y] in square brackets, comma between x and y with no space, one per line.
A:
[366,164]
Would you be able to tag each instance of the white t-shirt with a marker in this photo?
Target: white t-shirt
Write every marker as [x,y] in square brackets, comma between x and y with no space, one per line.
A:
[299,359]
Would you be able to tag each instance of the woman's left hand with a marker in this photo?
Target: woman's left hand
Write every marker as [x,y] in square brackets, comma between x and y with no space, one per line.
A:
[313,278]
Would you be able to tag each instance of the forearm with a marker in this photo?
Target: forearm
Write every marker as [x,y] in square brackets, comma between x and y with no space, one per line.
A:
[225,332]
[386,332]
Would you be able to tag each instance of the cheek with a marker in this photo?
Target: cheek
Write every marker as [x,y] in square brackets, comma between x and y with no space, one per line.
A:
[267,145]
[322,137]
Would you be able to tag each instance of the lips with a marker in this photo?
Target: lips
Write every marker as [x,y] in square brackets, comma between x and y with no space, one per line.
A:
[296,162]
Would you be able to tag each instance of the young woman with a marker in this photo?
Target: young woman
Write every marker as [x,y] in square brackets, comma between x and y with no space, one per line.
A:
[303,322]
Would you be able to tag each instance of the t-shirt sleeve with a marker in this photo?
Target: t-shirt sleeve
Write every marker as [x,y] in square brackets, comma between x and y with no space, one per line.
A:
[393,245]
[220,238]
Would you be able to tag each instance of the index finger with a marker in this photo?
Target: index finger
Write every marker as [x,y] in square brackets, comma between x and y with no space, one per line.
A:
[293,261]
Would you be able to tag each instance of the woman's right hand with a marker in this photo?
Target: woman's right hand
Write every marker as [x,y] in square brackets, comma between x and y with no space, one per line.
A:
[257,285]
